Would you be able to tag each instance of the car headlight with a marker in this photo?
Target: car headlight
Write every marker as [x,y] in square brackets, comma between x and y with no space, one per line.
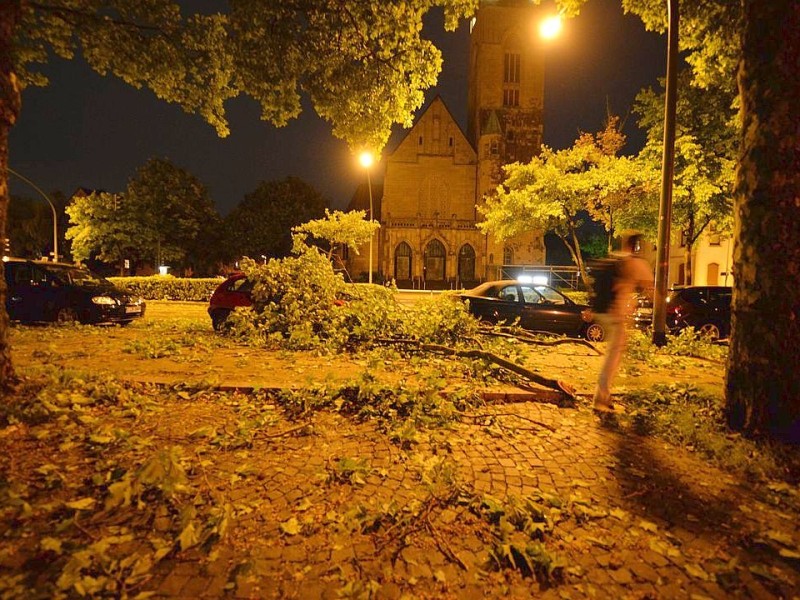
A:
[104,300]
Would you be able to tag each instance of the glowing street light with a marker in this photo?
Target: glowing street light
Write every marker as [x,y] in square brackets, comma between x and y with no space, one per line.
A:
[367,159]
[551,27]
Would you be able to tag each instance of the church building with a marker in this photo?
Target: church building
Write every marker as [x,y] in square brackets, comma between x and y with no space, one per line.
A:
[438,175]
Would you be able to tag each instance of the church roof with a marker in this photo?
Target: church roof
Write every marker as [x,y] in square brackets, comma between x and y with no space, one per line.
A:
[492,126]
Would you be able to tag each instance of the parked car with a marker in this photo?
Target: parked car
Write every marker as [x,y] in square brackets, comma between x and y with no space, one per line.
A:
[46,291]
[231,293]
[538,308]
[707,308]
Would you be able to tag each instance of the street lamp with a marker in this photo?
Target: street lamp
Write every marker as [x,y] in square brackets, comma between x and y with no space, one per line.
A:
[551,27]
[55,216]
[667,171]
[366,159]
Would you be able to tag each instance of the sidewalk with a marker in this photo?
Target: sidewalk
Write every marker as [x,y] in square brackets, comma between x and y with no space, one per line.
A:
[636,519]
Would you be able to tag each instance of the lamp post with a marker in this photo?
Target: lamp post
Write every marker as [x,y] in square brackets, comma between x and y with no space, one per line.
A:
[367,159]
[53,208]
[667,171]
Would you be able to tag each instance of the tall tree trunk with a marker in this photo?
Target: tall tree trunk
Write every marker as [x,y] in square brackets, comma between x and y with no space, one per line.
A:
[762,385]
[10,100]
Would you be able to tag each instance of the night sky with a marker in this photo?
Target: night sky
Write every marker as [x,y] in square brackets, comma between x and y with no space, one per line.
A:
[88,131]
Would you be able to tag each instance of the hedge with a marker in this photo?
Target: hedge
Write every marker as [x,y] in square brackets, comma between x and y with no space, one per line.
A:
[167,287]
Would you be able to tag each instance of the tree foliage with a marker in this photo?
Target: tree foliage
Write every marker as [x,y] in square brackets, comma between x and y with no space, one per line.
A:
[301,303]
[174,209]
[364,65]
[104,226]
[165,214]
[706,133]
[262,223]
[555,189]
[336,231]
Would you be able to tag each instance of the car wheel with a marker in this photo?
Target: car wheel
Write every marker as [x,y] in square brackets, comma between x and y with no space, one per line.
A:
[66,315]
[218,318]
[595,332]
[709,331]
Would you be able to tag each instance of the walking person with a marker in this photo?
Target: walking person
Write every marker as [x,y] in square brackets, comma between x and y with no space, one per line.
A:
[630,273]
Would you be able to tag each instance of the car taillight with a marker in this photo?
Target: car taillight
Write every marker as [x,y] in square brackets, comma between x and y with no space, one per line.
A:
[587,315]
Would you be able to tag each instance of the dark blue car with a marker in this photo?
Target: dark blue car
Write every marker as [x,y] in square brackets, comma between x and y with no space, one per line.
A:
[45,291]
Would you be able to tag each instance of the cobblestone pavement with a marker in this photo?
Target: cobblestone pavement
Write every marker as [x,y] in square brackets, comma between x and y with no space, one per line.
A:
[638,519]
[333,507]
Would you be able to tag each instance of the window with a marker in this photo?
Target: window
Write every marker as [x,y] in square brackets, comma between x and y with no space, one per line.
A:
[508,255]
[510,97]
[550,295]
[494,148]
[402,262]
[511,68]
[466,263]
[511,72]
[509,293]
[530,295]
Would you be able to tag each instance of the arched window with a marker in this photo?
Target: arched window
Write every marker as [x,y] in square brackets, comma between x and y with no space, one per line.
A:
[508,255]
[402,262]
[466,263]
[434,265]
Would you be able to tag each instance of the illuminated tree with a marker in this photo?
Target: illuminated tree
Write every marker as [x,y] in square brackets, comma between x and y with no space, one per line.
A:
[555,189]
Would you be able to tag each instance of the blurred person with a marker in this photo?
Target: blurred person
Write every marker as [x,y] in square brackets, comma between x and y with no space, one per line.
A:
[631,274]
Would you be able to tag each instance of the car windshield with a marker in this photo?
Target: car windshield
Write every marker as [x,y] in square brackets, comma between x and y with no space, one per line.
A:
[77,276]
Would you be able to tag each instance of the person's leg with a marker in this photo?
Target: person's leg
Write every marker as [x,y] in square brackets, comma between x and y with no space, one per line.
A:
[616,344]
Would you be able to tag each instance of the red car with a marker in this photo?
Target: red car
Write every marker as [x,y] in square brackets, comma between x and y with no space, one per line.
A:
[233,292]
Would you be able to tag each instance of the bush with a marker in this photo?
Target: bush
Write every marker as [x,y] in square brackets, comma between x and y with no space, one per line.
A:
[300,303]
[167,287]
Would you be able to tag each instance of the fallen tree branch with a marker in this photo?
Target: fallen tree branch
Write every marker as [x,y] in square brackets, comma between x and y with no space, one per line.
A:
[443,546]
[553,384]
[527,338]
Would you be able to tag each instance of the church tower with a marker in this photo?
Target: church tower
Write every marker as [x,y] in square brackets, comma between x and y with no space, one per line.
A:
[505,108]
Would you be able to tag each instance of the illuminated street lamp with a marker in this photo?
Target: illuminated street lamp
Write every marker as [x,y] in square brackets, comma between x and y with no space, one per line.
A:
[55,216]
[367,159]
[550,27]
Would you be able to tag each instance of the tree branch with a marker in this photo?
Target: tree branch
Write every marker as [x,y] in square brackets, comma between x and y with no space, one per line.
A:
[553,384]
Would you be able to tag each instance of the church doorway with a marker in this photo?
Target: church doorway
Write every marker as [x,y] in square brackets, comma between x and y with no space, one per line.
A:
[434,263]
[466,266]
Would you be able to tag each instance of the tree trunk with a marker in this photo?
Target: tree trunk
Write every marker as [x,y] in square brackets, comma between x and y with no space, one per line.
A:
[575,258]
[579,256]
[762,385]
[9,109]
[688,276]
